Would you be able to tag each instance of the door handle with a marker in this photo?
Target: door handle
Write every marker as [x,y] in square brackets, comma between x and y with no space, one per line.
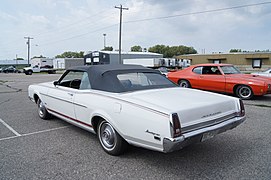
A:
[71,94]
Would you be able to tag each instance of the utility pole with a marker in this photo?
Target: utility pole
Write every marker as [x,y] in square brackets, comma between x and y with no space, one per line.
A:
[120,8]
[28,47]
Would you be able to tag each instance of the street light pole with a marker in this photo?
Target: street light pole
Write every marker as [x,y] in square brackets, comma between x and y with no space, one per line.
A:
[104,40]
[28,48]
[120,8]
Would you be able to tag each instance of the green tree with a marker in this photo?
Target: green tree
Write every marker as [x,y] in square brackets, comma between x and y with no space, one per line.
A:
[235,50]
[41,56]
[136,49]
[169,52]
[108,48]
[70,54]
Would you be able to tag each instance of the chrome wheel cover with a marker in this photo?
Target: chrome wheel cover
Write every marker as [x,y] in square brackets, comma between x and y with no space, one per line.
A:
[41,109]
[184,84]
[244,92]
[107,136]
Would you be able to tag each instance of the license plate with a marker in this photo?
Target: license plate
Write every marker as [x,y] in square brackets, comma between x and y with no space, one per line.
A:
[208,135]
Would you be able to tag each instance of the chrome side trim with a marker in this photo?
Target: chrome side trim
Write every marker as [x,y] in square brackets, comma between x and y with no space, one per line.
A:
[64,100]
[134,104]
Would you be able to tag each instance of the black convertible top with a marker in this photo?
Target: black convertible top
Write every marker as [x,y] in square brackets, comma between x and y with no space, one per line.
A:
[101,69]
[104,77]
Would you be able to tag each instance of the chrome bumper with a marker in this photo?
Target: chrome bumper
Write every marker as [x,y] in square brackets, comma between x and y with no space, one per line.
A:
[173,144]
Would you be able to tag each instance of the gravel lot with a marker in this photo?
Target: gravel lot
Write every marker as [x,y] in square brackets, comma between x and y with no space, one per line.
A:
[31,148]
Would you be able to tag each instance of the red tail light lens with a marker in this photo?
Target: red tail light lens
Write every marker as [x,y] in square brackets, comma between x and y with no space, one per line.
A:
[176,125]
[242,108]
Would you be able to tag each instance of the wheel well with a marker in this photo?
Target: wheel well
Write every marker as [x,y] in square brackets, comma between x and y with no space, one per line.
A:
[36,98]
[181,79]
[235,87]
[185,80]
[95,121]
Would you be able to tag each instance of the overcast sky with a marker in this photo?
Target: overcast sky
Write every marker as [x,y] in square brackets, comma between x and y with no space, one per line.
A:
[78,25]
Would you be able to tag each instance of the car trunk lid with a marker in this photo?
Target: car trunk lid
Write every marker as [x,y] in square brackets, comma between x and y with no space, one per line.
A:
[195,108]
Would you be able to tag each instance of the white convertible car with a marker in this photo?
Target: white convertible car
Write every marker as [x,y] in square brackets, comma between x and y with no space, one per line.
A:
[130,104]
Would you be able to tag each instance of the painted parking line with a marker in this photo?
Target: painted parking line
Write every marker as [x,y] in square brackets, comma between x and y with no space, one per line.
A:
[10,128]
[37,132]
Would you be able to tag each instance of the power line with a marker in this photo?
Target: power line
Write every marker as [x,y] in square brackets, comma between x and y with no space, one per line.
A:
[199,12]
[163,17]
[79,35]
[141,20]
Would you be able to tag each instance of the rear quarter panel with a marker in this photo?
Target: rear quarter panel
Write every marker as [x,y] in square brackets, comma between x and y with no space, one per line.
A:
[137,124]
[186,74]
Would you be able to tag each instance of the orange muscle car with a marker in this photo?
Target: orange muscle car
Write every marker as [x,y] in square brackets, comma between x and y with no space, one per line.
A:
[222,78]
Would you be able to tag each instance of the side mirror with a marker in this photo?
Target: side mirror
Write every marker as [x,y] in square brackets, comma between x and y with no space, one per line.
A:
[56,83]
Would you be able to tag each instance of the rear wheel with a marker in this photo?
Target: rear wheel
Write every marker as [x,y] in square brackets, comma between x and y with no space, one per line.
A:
[111,142]
[42,111]
[184,83]
[244,92]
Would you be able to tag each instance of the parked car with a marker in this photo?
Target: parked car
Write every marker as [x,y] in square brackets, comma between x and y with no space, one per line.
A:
[266,73]
[1,69]
[131,104]
[11,69]
[222,78]
[163,70]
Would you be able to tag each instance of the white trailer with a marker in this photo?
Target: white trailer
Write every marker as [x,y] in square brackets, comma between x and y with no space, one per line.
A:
[42,62]
[146,62]
[154,62]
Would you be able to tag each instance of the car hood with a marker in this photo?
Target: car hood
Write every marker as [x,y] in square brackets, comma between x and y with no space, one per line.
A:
[248,77]
[193,106]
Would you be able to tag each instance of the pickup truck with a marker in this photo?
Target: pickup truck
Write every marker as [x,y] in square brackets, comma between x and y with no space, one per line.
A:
[37,69]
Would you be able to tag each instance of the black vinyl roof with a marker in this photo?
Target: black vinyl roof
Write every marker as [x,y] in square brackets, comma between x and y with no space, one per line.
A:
[104,77]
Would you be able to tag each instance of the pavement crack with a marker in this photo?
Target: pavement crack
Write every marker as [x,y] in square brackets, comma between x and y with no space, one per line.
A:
[5,101]
[10,87]
[259,105]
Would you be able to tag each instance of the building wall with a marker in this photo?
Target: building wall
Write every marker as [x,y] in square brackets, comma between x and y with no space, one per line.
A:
[112,57]
[59,63]
[70,62]
[245,61]
[6,63]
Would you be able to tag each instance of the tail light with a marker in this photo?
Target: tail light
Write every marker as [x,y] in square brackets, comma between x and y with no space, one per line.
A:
[242,108]
[176,125]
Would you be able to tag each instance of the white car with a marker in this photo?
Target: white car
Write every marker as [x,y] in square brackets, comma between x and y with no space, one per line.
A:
[266,73]
[131,104]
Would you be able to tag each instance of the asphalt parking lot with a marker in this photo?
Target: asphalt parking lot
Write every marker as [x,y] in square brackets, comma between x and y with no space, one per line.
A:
[31,148]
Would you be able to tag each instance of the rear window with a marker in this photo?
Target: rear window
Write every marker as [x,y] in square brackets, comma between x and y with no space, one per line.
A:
[197,70]
[143,80]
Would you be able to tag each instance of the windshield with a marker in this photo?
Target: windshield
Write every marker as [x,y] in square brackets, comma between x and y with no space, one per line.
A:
[143,80]
[230,70]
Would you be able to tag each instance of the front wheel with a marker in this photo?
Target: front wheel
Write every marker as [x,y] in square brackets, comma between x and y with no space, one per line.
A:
[111,142]
[244,92]
[42,111]
[184,83]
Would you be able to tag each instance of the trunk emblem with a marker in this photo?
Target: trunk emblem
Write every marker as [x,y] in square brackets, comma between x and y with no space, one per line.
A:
[212,114]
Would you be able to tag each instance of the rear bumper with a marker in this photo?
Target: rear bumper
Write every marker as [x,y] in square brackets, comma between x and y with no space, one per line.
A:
[173,144]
